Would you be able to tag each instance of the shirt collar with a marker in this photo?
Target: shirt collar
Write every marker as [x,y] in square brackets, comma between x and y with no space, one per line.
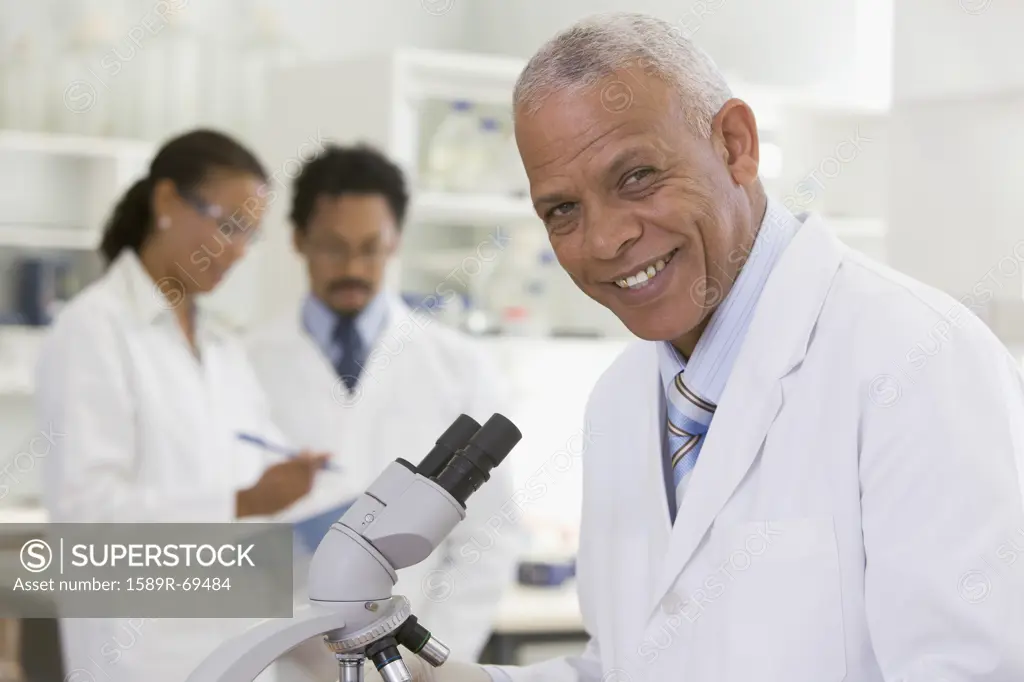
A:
[716,351]
[320,321]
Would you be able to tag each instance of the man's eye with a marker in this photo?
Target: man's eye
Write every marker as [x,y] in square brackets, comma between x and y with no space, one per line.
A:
[637,175]
[561,210]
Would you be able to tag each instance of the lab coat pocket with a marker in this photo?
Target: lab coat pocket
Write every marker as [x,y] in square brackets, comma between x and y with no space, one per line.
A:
[783,615]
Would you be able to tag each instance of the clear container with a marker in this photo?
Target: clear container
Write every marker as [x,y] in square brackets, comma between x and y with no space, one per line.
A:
[539,292]
[158,83]
[84,104]
[25,77]
[267,47]
[490,174]
[520,295]
[516,182]
[453,150]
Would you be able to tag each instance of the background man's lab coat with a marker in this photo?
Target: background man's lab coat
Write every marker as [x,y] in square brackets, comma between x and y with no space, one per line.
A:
[418,378]
[853,511]
[149,436]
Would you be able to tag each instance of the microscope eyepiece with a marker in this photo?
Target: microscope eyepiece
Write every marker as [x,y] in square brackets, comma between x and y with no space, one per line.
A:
[496,438]
[451,441]
[471,466]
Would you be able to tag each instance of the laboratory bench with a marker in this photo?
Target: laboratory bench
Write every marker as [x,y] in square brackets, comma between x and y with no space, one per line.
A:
[533,623]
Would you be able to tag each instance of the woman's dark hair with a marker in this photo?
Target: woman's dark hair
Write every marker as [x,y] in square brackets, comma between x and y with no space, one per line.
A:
[187,161]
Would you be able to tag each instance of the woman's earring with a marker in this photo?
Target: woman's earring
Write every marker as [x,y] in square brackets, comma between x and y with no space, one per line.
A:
[164,222]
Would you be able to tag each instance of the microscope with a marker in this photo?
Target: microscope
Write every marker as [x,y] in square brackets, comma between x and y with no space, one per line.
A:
[400,519]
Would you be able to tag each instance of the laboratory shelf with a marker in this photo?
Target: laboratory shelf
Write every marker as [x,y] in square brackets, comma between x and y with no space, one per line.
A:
[72,145]
[48,237]
[439,74]
[470,209]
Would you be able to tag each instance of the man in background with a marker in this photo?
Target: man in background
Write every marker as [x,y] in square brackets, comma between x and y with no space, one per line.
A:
[358,374]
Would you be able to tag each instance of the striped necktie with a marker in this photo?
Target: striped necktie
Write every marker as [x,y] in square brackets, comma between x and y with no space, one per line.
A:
[689,417]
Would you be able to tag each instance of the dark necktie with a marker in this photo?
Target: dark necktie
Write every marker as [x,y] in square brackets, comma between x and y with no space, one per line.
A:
[352,352]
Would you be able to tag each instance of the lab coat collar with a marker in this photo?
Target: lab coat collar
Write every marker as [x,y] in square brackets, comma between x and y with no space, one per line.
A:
[143,297]
[775,344]
[152,303]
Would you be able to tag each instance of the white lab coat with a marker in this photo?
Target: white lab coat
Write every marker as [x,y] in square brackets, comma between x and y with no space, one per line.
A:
[149,435]
[853,513]
[420,375]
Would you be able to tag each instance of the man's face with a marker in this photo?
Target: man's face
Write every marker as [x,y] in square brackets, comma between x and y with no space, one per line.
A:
[625,190]
[346,245]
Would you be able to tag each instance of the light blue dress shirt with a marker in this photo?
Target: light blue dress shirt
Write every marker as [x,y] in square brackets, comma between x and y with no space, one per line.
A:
[713,357]
[320,323]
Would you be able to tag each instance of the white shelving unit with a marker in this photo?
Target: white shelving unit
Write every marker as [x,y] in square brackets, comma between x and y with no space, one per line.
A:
[63,187]
[434,208]
[49,237]
[387,100]
[72,145]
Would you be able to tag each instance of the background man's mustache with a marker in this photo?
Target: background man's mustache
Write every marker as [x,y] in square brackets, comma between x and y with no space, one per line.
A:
[342,284]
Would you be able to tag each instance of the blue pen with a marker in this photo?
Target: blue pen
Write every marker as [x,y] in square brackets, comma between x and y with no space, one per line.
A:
[279,449]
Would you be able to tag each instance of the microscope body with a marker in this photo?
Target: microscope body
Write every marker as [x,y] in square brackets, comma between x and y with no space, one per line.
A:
[397,522]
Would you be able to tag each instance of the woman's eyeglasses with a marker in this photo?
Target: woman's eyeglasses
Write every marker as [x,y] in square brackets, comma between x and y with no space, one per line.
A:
[239,224]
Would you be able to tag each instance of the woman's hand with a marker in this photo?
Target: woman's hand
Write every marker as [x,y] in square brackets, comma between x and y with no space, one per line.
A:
[281,485]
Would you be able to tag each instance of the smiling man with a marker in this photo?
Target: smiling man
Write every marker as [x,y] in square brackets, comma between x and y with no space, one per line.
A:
[768,501]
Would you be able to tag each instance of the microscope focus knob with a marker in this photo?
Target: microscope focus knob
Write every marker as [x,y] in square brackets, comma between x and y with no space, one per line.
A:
[396,612]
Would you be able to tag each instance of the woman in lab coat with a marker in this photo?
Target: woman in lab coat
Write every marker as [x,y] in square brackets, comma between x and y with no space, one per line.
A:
[151,396]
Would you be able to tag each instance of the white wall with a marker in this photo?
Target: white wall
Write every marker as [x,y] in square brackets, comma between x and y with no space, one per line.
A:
[956,147]
[782,42]
[958,48]
[334,29]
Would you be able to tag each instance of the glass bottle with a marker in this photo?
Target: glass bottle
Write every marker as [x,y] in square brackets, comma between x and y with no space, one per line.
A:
[267,47]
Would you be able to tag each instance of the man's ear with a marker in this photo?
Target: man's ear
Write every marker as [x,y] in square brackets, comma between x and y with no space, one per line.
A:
[298,240]
[735,133]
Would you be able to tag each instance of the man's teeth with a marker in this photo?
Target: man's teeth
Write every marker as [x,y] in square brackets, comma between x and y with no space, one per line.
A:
[641,278]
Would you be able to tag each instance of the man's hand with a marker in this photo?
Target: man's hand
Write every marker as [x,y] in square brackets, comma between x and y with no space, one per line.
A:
[280,486]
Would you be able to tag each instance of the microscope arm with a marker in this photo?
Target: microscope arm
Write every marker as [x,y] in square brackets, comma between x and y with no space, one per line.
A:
[244,657]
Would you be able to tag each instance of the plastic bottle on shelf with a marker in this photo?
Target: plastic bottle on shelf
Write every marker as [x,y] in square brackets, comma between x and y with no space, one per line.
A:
[267,48]
[490,176]
[86,106]
[517,183]
[520,295]
[538,293]
[452,148]
[24,79]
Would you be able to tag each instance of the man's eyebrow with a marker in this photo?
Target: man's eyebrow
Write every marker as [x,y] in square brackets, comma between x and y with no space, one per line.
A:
[555,198]
[622,160]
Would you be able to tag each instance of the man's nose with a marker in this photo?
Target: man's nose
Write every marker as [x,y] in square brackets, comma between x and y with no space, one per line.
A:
[609,231]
